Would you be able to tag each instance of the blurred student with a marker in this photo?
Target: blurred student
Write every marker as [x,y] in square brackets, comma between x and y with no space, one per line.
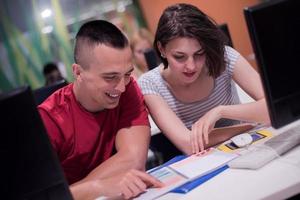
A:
[98,125]
[193,90]
[51,73]
[141,42]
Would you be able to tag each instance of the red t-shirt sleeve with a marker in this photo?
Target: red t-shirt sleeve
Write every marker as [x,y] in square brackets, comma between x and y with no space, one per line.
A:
[52,129]
[133,108]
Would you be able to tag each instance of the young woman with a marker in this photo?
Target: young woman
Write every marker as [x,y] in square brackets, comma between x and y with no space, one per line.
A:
[193,91]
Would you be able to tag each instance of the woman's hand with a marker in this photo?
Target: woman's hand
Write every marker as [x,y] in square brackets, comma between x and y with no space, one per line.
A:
[203,127]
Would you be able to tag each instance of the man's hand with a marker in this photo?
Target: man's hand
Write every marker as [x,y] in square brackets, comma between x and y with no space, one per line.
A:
[126,185]
[136,182]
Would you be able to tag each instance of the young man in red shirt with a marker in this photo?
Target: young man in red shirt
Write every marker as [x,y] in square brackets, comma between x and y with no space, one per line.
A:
[98,125]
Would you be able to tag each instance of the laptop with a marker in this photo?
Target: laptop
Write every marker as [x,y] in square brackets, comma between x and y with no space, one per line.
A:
[30,168]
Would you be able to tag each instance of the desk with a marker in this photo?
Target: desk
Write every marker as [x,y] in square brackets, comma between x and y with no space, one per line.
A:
[278,179]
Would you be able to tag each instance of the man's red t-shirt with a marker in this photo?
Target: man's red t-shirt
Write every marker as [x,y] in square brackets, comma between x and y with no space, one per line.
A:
[83,140]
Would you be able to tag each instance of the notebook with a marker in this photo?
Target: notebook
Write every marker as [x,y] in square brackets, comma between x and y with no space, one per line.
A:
[186,170]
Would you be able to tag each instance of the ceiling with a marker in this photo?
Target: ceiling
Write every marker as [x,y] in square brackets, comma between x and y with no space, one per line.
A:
[21,10]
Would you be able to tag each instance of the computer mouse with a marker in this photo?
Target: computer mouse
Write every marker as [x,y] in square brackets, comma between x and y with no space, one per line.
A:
[242,140]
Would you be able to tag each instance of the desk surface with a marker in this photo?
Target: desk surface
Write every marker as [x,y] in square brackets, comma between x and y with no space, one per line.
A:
[278,179]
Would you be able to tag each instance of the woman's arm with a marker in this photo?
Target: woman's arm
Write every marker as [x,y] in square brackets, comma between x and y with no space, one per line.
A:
[168,122]
[176,131]
[248,79]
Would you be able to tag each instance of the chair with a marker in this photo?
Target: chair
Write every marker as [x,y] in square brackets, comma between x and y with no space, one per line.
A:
[151,59]
[225,30]
[163,148]
[43,93]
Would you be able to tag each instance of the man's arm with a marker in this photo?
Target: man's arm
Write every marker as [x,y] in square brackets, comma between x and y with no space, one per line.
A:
[125,185]
[118,174]
[133,137]
[132,147]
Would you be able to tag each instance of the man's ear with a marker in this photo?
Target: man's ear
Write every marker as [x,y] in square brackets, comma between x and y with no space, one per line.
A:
[161,50]
[77,71]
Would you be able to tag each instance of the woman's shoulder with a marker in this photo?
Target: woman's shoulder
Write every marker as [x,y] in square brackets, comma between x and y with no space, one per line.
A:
[152,82]
[231,52]
[231,56]
[152,75]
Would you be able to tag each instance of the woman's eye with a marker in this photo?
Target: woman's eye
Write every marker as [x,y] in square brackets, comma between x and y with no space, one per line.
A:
[200,53]
[109,77]
[179,57]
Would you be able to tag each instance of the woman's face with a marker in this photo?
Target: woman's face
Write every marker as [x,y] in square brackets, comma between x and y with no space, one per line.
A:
[186,59]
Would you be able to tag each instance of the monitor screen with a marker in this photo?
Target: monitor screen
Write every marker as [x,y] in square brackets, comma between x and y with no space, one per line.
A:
[274,29]
[30,169]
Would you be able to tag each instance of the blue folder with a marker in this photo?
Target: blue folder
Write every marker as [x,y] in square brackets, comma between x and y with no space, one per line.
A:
[186,187]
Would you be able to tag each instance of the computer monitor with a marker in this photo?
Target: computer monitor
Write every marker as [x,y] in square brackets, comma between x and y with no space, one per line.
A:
[29,167]
[274,29]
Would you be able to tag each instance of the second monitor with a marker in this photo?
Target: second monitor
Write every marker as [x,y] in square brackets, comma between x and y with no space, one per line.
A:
[29,168]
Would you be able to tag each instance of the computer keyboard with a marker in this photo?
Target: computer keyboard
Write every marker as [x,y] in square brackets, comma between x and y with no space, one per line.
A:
[285,141]
[259,155]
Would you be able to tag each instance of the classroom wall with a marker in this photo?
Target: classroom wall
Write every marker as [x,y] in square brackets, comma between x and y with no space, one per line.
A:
[222,11]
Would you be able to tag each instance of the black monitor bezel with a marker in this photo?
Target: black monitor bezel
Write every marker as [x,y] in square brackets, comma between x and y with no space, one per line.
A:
[24,140]
[277,116]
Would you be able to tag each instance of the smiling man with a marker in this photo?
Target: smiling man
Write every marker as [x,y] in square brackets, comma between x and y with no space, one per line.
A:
[98,125]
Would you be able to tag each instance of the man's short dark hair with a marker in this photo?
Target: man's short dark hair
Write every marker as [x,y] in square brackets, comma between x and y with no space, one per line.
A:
[98,32]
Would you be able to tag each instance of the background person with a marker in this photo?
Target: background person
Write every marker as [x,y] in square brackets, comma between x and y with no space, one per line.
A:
[51,73]
[141,41]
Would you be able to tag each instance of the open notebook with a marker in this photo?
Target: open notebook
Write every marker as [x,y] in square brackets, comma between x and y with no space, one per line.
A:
[186,170]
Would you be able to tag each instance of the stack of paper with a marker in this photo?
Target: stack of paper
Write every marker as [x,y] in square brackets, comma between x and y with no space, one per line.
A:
[196,166]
